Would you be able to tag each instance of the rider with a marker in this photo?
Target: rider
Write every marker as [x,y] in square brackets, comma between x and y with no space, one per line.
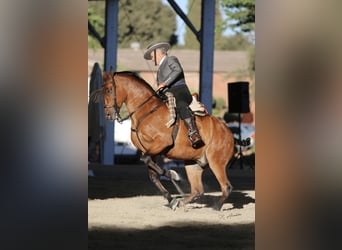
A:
[170,75]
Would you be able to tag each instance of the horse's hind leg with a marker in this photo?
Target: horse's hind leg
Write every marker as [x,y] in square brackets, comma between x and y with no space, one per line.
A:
[194,173]
[226,188]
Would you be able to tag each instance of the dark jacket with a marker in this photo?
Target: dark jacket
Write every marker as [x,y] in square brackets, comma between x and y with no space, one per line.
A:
[170,72]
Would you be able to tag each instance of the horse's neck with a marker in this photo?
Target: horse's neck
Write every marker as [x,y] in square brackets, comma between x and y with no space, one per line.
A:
[140,102]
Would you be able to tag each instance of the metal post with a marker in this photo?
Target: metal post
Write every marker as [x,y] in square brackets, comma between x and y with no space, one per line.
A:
[207,53]
[107,150]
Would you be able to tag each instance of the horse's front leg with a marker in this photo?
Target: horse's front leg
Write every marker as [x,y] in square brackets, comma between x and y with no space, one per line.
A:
[154,177]
[155,171]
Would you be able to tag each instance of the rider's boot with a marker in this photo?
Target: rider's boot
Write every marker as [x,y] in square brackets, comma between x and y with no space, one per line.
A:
[194,136]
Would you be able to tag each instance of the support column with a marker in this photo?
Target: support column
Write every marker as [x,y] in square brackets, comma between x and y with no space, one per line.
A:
[107,147]
[207,53]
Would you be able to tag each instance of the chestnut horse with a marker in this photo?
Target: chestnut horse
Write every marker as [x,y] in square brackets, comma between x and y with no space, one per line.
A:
[149,114]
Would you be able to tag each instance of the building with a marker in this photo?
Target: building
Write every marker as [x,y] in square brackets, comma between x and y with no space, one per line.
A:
[229,66]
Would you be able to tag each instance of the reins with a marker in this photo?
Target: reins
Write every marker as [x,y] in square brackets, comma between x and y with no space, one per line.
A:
[117,109]
[142,118]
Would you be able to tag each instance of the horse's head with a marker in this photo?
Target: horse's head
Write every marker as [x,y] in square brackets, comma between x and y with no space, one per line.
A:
[123,87]
[108,97]
[112,96]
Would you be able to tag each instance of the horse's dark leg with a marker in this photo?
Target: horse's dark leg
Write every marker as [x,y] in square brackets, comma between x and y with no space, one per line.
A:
[147,159]
[171,174]
[155,171]
[154,177]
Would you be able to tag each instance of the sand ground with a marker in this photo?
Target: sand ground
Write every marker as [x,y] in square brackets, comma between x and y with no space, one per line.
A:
[126,211]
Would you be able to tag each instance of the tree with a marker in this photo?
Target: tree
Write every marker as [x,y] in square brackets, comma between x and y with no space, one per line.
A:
[96,18]
[241,14]
[145,21]
[235,42]
[139,21]
[194,15]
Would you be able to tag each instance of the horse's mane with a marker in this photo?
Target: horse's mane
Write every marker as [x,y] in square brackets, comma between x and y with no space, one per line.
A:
[137,76]
[95,95]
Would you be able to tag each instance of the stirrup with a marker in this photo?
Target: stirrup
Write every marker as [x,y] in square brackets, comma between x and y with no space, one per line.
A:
[197,142]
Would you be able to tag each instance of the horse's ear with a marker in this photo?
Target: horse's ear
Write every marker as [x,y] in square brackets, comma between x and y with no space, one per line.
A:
[105,75]
[111,71]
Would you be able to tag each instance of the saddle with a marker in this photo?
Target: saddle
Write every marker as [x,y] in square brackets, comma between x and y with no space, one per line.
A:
[196,107]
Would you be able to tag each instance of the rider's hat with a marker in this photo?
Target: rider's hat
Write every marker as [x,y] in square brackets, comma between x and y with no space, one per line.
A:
[154,46]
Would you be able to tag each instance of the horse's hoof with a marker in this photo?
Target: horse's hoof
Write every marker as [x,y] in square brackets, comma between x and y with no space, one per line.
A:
[174,203]
[182,204]
[172,175]
[217,207]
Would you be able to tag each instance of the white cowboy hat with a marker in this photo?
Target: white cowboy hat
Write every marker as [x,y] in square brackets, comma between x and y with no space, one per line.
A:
[154,46]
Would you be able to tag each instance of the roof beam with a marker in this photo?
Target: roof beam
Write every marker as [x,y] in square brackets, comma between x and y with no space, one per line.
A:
[111,29]
[96,35]
[182,15]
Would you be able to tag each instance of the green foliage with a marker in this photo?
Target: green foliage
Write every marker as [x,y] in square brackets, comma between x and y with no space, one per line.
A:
[96,18]
[194,15]
[234,42]
[251,67]
[139,21]
[145,22]
[219,105]
[251,55]
[241,14]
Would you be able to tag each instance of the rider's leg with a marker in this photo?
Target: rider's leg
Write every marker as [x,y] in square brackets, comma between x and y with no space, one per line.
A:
[183,100]
[189,121]
[171,105]
[193,134]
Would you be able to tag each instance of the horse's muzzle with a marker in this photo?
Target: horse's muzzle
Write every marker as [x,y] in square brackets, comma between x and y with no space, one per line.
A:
[109,115]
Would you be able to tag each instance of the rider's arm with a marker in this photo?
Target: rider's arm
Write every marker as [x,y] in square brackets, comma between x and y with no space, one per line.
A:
[176,71]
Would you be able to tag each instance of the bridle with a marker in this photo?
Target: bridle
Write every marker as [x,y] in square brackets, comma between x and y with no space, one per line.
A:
[117,108]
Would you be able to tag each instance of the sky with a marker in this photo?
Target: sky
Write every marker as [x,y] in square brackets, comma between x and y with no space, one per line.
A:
[180,31]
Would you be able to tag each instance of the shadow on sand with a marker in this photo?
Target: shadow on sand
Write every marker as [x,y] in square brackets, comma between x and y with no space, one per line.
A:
[132,180]
[177,236]
[123,181]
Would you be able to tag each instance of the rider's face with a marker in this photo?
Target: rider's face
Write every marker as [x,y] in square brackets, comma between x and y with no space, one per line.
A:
[159,56]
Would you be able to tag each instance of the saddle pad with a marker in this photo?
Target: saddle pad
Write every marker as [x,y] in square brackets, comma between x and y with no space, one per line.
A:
[198,107]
